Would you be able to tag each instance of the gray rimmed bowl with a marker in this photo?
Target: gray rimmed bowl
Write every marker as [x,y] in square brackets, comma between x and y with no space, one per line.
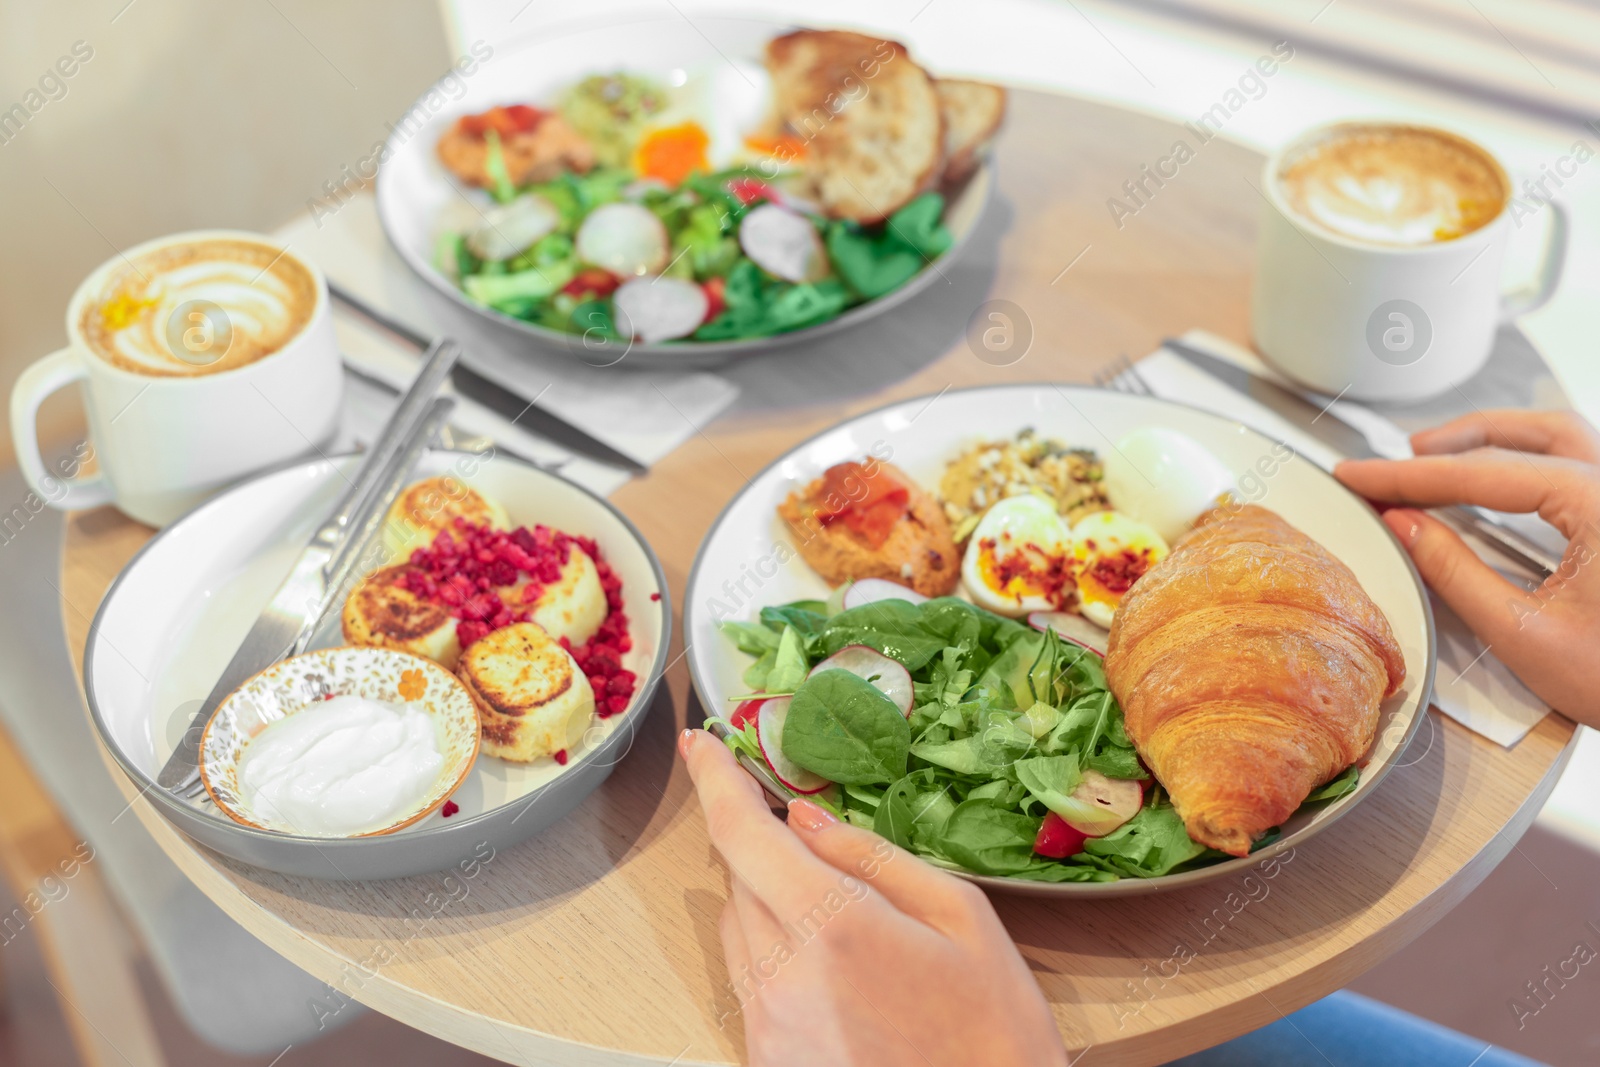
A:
[176,613]
[748,559]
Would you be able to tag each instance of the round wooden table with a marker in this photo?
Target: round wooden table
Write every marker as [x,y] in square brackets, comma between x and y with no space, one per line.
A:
[597,942]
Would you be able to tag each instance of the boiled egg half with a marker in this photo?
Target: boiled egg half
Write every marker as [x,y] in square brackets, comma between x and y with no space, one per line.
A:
[1164,479]
[1111,551]
[1019,558]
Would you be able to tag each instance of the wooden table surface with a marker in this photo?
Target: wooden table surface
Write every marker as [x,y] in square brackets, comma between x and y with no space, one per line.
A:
[597,942]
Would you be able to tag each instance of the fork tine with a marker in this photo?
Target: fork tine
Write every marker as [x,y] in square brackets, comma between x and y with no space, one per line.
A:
[1135,380]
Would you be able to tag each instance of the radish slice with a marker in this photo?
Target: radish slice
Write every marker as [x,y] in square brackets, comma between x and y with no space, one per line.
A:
[870,665]
[745,713]
[507,229]
[1070,627]
[659,309]
[783,243]
[868,590]
[640,187]
[624,238]
[769,732]
[1099,805]
[835,602]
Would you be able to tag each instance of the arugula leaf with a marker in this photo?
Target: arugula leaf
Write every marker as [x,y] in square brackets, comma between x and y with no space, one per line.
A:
[841,727]
[986,838]
[1051,779]
[1114,762]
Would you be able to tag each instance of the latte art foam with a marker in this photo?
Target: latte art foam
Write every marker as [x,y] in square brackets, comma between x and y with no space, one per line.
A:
[201,307]
[1394,185]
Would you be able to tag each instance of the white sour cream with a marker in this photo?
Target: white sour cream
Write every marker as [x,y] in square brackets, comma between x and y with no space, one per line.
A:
[345,766]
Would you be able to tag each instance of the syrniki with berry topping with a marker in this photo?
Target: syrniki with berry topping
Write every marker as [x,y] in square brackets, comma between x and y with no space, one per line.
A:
[530,618]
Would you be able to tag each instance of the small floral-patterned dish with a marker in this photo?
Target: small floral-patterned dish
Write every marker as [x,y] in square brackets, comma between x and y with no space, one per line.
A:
[301,682]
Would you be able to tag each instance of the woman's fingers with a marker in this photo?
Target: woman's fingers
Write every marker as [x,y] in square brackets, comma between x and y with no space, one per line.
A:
[1556,433]
[1493,607]
[1562,491]
[916,888]
[776,866]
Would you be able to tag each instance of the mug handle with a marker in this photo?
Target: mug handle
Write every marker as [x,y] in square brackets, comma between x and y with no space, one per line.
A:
[1537,295]
[54,372]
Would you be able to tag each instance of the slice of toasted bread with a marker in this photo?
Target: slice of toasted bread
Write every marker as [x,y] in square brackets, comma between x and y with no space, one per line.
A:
[869,117]
[381,613]
[972,113]
[532,698]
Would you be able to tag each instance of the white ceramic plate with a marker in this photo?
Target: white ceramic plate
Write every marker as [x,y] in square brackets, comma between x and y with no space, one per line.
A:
[418,199]
[175,615]
[740,566]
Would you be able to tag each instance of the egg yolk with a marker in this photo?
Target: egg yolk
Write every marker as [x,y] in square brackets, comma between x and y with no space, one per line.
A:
[1024,570]
[672,153]
[786,147]
[1105,579]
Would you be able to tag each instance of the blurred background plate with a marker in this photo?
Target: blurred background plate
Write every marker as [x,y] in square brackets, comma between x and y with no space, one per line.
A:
[418,199]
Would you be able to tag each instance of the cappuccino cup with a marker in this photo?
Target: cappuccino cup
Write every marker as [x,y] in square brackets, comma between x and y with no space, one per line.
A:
[1378,272]
[203,357]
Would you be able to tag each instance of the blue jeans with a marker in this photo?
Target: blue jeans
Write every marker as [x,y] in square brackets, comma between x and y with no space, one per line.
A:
[1349,1030]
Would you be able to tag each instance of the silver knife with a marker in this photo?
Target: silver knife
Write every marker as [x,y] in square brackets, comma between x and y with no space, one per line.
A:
[498,399]
[290,619]
[1353,444]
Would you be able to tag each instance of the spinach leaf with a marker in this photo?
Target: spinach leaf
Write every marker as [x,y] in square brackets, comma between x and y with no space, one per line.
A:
[789,667]
[842,728]
[750,637]
[988,839]
[755,675]
[893,627]
[893,817]
[800,615]
[878,263]
[1341,785]
[1148,845]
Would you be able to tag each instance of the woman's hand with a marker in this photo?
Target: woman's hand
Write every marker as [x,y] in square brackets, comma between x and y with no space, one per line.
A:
[842,948]
[1518,461]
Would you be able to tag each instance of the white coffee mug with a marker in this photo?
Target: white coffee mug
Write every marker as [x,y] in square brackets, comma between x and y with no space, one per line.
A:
[163,444]
[1384,322]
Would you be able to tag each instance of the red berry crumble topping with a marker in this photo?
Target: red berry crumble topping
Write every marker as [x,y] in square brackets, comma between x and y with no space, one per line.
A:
[561,756]
[472,569]
[449,809]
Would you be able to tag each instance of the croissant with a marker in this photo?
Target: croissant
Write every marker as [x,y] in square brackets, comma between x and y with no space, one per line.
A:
[1249,665]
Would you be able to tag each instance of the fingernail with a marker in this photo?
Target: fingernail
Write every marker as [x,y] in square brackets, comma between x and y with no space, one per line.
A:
[810,816]
[1406,524]
[685,740]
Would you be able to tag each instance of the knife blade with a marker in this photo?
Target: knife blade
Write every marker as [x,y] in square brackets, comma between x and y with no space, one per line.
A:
[498,399]
[1351,443]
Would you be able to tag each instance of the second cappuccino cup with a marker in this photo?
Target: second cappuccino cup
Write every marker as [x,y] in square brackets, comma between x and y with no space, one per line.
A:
[203,357]
[1378,272]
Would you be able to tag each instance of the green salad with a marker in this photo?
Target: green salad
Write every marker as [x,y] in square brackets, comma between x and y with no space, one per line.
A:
[719,257]
[973,740]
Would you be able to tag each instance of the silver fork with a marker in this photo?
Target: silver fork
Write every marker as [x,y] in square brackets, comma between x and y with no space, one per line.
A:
[1122,377]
